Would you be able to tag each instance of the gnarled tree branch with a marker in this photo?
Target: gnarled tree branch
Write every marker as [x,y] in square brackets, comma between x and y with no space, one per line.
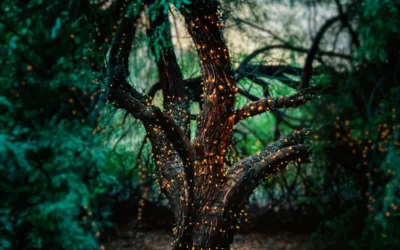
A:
[246,174]
[272,103]
[124,96]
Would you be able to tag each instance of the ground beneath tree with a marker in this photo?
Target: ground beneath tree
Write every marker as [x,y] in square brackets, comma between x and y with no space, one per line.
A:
[129,239]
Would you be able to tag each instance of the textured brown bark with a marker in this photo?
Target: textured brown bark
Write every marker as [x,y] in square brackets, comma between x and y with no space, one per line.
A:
[176,96]
[209,224]
[173,172]
[206,196]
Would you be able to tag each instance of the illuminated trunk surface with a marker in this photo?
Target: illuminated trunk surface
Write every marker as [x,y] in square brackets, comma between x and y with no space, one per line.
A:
[209,222]
[213,230]
[206,196]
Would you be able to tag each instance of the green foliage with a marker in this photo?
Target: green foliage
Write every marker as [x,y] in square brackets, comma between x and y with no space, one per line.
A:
[378,23]
[164,5]
[52,161]
[362,139]
[159,39]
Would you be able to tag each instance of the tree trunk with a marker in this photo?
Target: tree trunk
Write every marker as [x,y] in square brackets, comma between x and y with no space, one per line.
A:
[207,196]
[212,226]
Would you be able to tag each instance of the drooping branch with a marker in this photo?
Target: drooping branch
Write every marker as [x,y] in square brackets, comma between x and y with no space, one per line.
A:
[265,85]
[248,95]
[138,158]
[257,52]
[104,18]
[276,72]
[124,134]
[272,103]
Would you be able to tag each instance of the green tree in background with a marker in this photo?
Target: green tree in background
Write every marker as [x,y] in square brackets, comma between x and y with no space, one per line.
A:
[361,140]
[52,161]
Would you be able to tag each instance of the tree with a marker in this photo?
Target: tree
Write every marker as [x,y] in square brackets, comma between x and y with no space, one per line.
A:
[66,59]
[207,196]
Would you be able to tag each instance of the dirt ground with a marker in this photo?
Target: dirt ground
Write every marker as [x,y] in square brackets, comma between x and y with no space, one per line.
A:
[161,240]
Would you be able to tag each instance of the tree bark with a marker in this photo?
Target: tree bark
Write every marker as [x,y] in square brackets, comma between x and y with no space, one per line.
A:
[206,196]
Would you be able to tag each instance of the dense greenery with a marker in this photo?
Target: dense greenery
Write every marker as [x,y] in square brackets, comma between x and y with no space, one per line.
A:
[53,163]
[67,158]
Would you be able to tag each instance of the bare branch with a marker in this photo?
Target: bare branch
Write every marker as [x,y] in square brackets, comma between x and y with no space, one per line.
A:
[153,117]
[311,53]
[176,101]
[272,103]
[124,96]
[345,21]
[239,21]
[246,174]
[307,69]
[296,138]
[288,47]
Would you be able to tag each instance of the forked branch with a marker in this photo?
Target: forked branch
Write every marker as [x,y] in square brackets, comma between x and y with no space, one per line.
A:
[176,96]
[124,96]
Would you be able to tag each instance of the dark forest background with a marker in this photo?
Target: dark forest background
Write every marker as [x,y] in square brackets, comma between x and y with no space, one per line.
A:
[75,170]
